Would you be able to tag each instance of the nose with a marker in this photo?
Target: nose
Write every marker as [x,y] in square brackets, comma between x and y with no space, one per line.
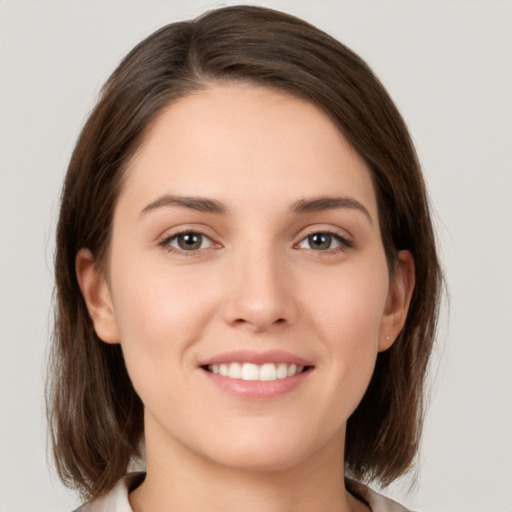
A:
[260,296]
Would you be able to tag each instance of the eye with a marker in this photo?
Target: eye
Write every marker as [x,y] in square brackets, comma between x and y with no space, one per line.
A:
[188,241]
[324,241]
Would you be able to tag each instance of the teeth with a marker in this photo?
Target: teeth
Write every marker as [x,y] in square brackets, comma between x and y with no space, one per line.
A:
[282,371]
[268,372]
[250,371]
[235,371]
[291,370]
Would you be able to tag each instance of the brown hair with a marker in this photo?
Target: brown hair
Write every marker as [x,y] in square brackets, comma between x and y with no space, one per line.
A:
[95,416]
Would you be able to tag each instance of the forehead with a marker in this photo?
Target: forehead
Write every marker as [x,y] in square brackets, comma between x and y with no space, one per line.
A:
[243,142]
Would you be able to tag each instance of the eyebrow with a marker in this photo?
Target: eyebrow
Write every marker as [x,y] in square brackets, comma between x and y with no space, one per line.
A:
[329,203]
[303,206]
[200,204]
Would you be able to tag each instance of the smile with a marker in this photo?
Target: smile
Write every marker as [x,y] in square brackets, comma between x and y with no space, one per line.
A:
[254,372]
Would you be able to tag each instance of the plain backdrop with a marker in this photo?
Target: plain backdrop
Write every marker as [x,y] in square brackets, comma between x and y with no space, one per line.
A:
[447,64]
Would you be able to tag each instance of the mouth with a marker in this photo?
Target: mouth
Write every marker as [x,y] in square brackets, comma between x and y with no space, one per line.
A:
[266,372]
[254,375]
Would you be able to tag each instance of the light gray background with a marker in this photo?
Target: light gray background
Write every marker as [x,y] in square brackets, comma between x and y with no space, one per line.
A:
[448,66]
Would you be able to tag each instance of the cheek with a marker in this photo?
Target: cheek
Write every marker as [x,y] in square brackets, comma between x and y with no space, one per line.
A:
[349,305]
[347,316]
[161,319]
[160,310]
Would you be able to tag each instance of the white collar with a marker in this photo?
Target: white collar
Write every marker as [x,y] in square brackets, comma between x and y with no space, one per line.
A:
[117,499]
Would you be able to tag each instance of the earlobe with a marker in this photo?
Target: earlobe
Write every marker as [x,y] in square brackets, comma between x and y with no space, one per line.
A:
[96,293]
[399,298]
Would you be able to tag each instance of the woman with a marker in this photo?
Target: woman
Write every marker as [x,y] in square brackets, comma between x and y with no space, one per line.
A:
[247,280]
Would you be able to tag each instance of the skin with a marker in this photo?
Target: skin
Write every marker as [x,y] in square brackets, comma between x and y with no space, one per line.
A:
[256,283]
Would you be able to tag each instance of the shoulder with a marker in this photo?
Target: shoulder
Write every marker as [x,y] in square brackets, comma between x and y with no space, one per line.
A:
[376,501]
[115,500]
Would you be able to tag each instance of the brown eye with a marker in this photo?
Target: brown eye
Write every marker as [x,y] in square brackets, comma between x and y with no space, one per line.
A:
[189,241]
[320,241]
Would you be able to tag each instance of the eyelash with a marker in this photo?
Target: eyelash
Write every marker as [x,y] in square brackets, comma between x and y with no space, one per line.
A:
[166,242]
[344,243]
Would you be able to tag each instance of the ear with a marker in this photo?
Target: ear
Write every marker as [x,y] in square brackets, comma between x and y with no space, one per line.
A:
[96,293]
[399,298]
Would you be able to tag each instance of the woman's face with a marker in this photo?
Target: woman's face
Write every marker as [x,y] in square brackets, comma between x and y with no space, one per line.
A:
[247,283]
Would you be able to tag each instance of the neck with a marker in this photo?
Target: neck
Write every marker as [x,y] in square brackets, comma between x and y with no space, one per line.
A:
[180,479]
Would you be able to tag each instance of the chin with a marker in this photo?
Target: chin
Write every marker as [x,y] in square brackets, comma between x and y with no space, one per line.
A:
[259,461]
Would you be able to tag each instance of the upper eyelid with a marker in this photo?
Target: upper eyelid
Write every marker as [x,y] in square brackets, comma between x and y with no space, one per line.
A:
[200,229]
[214,237]
[324,228]
[187,232]
[347,242]
[166,240]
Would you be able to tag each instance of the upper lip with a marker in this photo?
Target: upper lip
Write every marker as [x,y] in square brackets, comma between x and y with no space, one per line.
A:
[259,358]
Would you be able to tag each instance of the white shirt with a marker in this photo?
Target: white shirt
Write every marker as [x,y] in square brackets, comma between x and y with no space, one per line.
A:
[117,499]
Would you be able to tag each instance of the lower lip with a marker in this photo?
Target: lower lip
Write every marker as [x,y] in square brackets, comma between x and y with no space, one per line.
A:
[256,389]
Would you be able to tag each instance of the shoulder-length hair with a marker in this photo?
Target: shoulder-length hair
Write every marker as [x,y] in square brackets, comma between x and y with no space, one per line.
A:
[95,416]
